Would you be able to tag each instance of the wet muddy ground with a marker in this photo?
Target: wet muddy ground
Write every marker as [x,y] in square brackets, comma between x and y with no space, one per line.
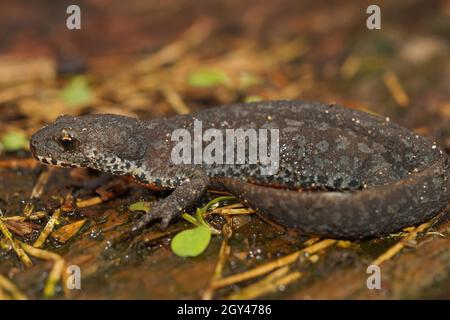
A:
[156,58]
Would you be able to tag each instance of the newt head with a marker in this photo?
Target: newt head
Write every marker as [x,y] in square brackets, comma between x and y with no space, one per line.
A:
[104,142]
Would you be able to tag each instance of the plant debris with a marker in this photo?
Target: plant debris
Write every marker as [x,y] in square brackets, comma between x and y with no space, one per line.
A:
[140,206]
[268,267]
[271,283]
[21,228]
[15,245]
[48,229]
[55,274]
[192,242]
[11,290]
[88,202]
[65,233]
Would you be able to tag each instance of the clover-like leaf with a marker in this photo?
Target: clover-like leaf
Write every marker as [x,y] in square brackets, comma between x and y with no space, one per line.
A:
[77,92]
[140,206]
[206,78]
[14,141]
[192,242]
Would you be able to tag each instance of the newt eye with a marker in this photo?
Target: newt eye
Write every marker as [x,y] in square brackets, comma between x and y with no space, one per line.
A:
[68,142]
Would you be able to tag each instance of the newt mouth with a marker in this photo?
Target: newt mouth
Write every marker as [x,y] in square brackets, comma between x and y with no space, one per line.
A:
[56,163]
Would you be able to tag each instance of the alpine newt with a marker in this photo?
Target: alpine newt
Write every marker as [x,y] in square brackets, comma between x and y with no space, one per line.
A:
[341,173]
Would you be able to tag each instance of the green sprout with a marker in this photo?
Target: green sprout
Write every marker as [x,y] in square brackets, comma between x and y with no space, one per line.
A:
[192,242]
[77,92]
[206,78]
[14,141]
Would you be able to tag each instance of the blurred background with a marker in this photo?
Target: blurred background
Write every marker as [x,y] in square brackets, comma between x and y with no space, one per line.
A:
[158,58]
[152,58]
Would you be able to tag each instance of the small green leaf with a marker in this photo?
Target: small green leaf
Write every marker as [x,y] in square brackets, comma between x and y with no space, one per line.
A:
[77,92]
[192,242]
[140,206]
[252,98]
[206,78]
[14,140]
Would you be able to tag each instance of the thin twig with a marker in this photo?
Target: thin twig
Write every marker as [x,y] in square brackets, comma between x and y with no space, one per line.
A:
[47,229]
[191,38]
[40,183]
[89,202]
[11,288]
[395,88]
[223,254]
[392,251]
[267,267]
[55,274]
[174,99]
[268,284]
[17,249]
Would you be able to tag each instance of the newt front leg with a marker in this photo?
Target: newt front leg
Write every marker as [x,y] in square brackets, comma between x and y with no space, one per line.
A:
[184,196]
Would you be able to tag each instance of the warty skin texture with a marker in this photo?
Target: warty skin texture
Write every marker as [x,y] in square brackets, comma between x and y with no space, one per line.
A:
[342,173]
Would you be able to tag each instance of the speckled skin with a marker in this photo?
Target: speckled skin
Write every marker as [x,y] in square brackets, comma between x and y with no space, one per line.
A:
[342,173]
